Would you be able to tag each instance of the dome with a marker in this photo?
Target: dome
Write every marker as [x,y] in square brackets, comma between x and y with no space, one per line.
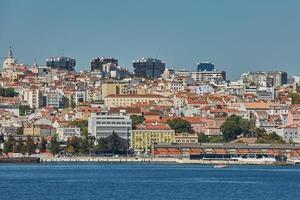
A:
[9,61]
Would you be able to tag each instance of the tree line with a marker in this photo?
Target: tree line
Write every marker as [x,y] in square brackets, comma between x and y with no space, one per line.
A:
[85,145]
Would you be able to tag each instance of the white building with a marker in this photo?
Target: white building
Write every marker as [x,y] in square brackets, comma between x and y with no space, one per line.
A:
[102,125]
[206,76]
[80,97]
[289,133]
[33,96]
[64,133]
[204,89]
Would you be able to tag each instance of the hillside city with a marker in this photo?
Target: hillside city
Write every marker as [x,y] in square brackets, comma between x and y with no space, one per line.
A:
[52,110]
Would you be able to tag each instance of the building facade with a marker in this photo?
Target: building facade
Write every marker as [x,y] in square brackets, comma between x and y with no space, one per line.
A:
[114,88]
[148,68]
[205,66]
[129,100]
[61,63]
[102,125]
[97,64]
[33,96]
[143,139]
[208,76]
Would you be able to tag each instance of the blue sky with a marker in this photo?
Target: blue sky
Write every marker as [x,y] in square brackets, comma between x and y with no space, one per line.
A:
[236,35]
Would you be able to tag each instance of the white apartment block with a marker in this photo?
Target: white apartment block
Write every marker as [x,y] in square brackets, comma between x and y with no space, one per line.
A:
[102,125]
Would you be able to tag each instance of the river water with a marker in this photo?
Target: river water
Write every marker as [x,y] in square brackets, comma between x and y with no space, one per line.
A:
[147,181]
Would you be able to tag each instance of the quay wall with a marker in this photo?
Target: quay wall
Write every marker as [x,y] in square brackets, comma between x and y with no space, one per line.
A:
[159,160]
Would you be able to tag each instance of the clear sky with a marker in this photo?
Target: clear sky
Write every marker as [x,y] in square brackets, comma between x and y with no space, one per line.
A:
[237,35]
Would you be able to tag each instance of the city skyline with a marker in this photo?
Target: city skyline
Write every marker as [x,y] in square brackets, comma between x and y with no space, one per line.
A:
[235,36]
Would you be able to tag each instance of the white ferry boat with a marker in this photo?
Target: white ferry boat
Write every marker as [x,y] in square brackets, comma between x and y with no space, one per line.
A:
[255,159]
[220,166]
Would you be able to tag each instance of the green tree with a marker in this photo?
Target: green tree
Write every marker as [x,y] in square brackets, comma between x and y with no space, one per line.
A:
[295,98]
[8,92]
[230,130]
[112,144]
[202,138]
[83,125]
[216,139]
[9,145]
[235,126]
[18,146]
[102,145]
[70,149]
[54,146]
[270,138]
[136,119]
[72,102]
[30,146]
[84,145]
[116,143]
[42,145]
[73,144]
[180,125]
[20,130]
[23,109]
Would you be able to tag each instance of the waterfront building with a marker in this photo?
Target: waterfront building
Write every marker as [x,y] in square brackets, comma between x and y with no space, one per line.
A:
[205,66]
[143,138]
[148,68]
[289,133]
[224,150]
[186,138]
[102,125]
[64,63]
[41,130]
[64,133]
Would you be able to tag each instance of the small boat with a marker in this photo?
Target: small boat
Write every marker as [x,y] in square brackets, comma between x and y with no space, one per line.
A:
[220,166]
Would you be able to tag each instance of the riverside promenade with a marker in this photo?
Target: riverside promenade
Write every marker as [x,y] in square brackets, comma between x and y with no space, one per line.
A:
[159,160]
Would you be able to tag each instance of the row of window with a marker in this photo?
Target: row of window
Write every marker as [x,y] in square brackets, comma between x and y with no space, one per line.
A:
[113,123]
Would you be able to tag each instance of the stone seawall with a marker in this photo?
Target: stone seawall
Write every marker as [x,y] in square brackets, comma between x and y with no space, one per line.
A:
[19,160]
[159,160]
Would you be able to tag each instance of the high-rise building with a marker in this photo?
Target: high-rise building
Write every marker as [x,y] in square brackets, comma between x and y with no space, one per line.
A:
[97,63]
[205,66]
[148,67]
[61,63]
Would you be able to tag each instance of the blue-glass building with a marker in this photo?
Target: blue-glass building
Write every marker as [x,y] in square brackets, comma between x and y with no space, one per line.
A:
[148,68]
[61,63]
[205,67]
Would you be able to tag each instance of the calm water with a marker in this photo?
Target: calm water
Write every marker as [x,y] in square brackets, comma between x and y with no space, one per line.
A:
[143,181]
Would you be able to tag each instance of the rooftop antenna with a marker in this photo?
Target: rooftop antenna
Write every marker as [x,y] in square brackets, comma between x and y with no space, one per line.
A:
[34,62]
[62,52]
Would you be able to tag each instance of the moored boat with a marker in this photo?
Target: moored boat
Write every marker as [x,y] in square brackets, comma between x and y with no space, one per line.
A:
[220,166]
